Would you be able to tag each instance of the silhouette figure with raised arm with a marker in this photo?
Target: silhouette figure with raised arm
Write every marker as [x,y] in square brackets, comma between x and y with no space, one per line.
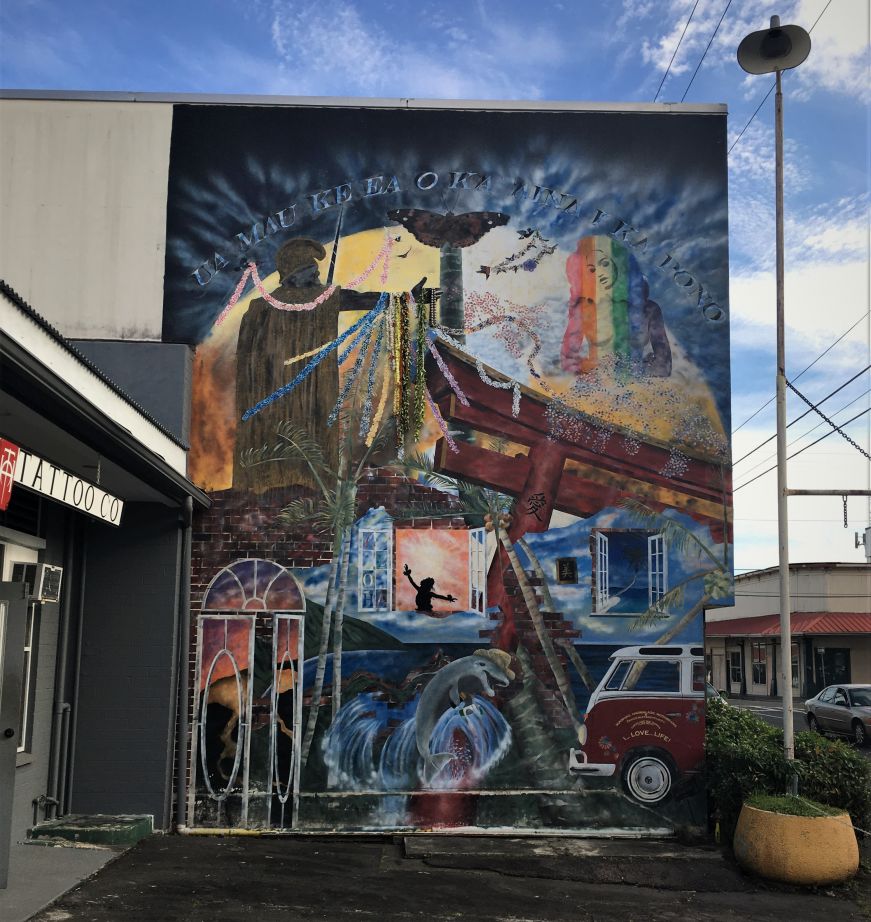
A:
[425,593]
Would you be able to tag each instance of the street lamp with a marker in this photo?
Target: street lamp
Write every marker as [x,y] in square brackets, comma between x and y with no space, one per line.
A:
[776,49]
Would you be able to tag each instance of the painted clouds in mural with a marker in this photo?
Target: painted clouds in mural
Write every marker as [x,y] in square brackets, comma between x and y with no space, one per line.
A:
[463,377]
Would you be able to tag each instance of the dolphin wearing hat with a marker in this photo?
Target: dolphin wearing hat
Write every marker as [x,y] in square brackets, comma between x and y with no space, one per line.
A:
[483,668]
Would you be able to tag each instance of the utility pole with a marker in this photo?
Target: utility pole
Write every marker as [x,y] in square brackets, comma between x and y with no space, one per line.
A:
[776,49]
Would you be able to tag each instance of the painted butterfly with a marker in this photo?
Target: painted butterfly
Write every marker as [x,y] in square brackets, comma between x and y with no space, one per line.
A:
[459,230]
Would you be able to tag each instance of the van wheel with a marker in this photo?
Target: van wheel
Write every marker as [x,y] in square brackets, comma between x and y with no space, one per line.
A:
[648,776]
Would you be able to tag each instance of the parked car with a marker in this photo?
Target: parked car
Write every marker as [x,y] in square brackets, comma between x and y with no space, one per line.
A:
[712,692]
[645,721]
[842,709]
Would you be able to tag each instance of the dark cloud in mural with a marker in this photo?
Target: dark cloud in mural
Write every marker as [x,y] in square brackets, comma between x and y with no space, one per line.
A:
[234,167]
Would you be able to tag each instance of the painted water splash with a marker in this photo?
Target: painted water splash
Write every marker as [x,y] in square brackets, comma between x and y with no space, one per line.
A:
[477,734]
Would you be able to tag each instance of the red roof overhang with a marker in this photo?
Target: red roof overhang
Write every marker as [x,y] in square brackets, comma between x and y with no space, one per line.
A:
[805,622]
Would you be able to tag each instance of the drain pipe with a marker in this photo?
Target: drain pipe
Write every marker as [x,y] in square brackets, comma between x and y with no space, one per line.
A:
[61,808]
[184,629]
[61,707]
[77,674]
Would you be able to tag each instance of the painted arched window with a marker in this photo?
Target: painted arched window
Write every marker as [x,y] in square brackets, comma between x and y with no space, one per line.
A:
[254,585]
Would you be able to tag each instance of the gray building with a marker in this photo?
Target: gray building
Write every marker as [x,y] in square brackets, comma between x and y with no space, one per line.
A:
[94,520]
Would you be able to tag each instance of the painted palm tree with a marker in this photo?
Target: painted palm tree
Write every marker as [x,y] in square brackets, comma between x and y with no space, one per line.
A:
[567,645]
[331,511]
[635,559]
[495,510]
[713,573]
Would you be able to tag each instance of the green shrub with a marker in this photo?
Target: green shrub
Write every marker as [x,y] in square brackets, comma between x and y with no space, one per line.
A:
[745,756]
[834,773]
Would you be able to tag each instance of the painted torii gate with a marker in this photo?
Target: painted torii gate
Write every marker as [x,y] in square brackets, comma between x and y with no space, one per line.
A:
[581,473]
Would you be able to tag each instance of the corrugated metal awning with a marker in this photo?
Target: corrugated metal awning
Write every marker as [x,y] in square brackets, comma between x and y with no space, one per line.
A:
[804,622]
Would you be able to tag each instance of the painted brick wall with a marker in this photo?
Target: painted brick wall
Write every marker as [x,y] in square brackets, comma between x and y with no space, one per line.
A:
[243,524]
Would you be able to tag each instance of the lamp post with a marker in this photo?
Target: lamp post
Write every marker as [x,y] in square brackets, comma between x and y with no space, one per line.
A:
[776,49]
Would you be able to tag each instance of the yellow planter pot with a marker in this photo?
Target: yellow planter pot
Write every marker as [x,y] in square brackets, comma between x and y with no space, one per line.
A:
[796,849]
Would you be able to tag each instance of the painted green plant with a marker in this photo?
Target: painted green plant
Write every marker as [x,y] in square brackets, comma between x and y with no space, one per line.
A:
[331,511]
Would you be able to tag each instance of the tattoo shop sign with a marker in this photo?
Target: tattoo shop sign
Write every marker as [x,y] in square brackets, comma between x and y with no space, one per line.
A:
[8,457]
[41,476]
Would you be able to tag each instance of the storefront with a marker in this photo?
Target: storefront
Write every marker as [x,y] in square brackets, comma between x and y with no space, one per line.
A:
[94,513]
[831,631]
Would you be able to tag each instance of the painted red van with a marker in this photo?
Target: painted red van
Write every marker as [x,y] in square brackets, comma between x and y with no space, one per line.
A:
[645,722]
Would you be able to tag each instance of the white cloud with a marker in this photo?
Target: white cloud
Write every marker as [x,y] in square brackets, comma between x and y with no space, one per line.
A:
[659,52]
[62,54]
[752,160]
[839,59]
[838,62]
[331,48]
[822,300]
[850,237]
[827,230]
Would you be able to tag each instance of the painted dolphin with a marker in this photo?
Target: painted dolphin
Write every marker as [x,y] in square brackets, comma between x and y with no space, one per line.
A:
[443,691]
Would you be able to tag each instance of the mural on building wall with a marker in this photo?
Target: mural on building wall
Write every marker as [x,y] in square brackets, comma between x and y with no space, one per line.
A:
[461,391]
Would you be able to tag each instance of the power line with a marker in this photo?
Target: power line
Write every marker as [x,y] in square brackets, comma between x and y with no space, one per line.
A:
[755,113]
[662,82]
[798,418]
[771,88]
[816,426]
[823,353]
[807,432]
[825,418]
[796,453]
[706,51]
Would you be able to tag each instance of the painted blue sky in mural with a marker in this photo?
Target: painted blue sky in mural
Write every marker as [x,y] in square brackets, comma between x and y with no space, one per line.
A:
[570,539]
[610,51]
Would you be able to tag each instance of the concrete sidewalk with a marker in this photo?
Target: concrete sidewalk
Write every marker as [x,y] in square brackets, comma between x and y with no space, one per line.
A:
[481,878]
[40,872]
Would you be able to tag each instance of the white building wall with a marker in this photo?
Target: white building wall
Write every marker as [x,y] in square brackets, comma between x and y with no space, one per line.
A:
[83,222]
[826,587]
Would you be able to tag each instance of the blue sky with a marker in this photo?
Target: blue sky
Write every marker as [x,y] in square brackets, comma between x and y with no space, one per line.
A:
[586,50]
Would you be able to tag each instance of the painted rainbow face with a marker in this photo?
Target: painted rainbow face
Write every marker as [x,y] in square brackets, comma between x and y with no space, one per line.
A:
[604,269]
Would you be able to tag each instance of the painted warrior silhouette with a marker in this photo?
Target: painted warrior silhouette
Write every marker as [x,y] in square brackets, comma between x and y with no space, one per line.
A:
[425,593]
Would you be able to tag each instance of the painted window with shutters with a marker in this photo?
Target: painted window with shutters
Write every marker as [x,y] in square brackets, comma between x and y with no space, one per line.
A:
[657,569]
[630,570]
[375,569]
[478,570]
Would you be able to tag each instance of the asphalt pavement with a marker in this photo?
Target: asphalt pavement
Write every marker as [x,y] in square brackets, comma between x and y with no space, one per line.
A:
[771,711]
[440,878]
[432,877]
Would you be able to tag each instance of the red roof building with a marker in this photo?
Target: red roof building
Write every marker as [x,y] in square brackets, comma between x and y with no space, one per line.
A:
[830,625]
